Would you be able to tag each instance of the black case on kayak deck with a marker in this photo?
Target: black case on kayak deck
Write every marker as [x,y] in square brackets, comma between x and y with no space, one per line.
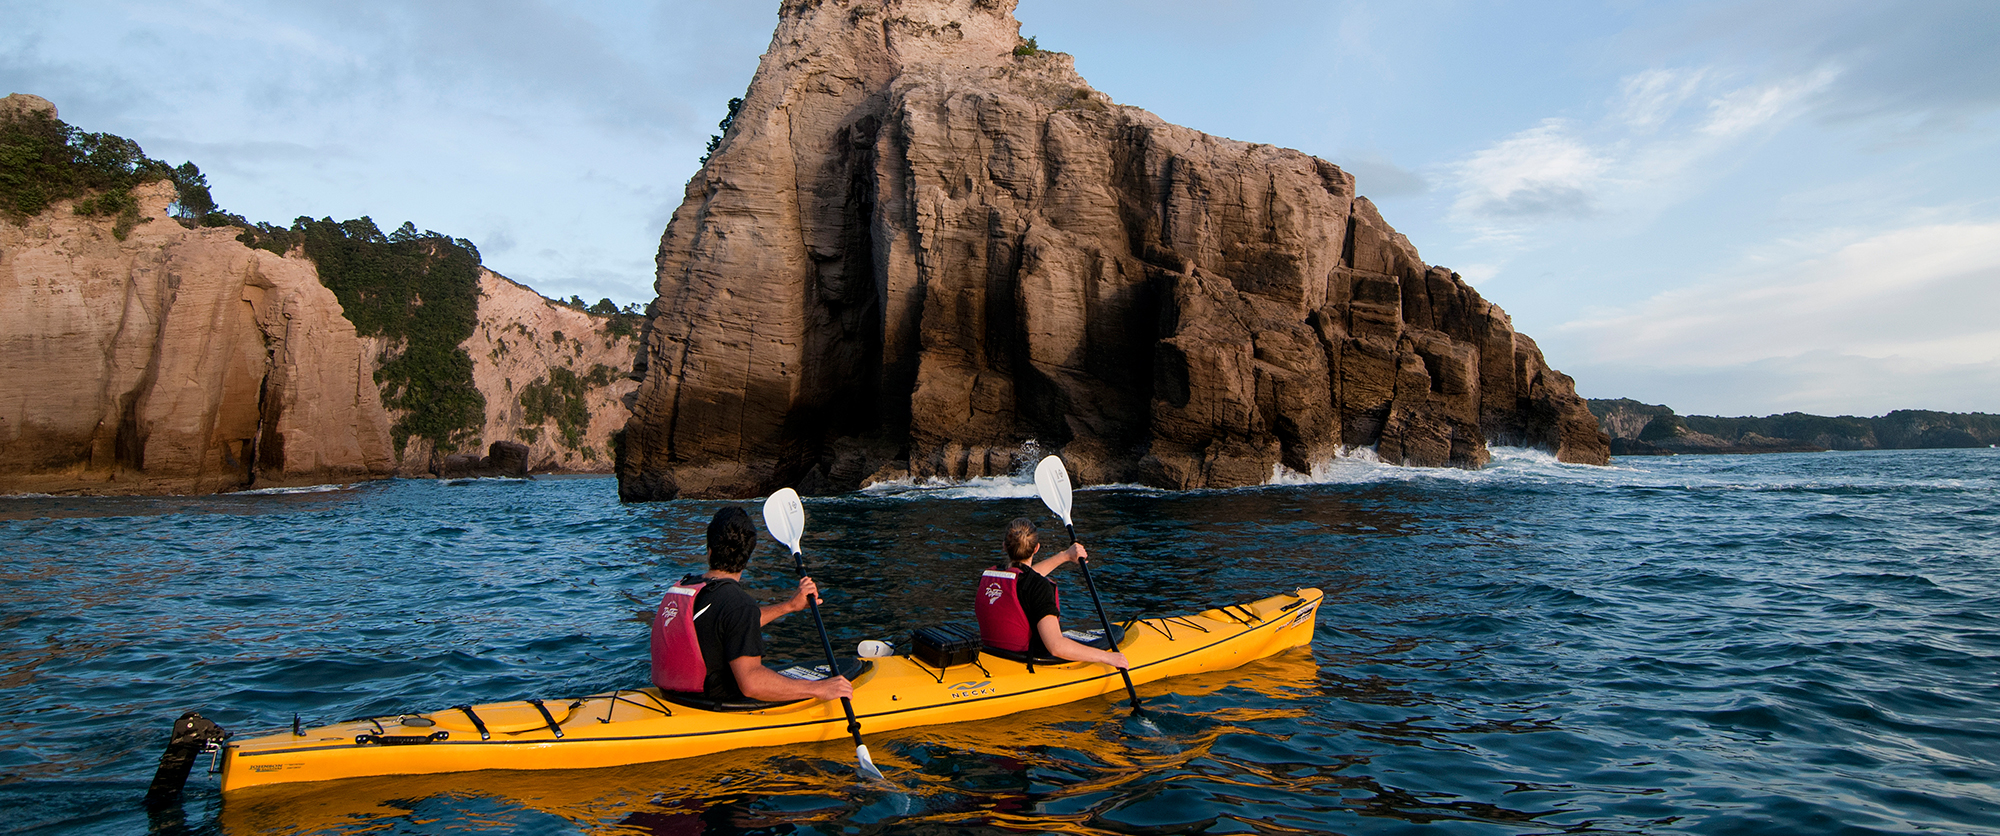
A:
[945,645]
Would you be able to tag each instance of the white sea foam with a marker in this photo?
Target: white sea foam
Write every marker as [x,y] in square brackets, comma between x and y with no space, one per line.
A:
[1011,486]
[297,490]
[1361,465]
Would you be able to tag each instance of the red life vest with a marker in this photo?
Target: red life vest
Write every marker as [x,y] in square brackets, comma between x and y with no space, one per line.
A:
[677,661]
[1002,622]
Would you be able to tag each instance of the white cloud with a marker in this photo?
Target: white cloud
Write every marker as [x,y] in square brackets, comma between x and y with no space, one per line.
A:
[1648,152]
[1542,171]
[1924,294]
[1819,382]
[1740,111]
[1649,98]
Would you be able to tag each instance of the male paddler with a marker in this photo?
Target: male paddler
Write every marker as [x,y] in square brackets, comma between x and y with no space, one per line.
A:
[1019,609]
[708,636]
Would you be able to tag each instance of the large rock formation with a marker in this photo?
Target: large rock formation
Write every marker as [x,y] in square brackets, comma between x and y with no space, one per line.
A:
[174,361]
[177,360]
[919,250]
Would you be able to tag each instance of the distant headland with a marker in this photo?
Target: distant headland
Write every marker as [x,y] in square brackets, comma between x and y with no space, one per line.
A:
[1639,429]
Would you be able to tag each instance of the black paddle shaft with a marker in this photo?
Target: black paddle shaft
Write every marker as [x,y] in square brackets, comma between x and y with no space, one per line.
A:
[1110,637]
[832,666]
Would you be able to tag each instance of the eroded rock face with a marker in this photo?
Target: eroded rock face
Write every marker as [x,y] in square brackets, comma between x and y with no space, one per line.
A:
[179,360]
[175,361]
[918,253]
[554,377]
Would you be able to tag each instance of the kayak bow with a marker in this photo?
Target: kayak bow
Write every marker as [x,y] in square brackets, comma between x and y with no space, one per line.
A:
[638,726]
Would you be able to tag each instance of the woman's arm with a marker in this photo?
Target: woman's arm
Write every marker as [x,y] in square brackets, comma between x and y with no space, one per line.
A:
[1062,647]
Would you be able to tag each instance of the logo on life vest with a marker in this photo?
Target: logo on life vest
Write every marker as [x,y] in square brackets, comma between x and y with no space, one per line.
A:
[669,612]
[971,688]
[993,592]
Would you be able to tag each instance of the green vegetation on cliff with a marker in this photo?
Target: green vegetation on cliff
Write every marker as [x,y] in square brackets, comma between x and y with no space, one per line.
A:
[421,292]
[560,398]
[44,159]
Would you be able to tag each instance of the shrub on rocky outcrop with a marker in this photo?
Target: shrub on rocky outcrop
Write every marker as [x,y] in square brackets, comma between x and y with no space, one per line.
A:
[44,159]
[421,291]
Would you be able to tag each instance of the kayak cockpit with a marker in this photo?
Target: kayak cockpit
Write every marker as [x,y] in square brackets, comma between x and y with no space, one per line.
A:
[856,670]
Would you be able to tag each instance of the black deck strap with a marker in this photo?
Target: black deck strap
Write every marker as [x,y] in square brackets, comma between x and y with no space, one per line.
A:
[400,739]
[1293,605]
[618,696]
[476,722]
[547,716]
[1250,616]
[1157,629]
[1023,658]
[935,673]
[703,703]
[1184,622]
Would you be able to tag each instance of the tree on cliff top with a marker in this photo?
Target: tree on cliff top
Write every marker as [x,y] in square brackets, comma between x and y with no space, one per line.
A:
[44,159]
[421,291]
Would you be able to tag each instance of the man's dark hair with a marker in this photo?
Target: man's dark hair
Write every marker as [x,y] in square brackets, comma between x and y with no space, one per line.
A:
[731,538]
[1022,539]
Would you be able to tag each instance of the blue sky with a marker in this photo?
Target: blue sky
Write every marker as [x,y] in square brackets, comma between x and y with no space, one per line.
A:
[1731,208]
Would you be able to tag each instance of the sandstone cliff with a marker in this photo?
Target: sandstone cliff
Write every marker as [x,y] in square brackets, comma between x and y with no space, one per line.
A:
[919,249]
[138,355]
[174,361]
[554,377]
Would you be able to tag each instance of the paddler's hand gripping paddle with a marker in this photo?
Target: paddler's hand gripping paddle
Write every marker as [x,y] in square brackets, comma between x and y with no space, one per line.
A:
[1052,482]
[785,516]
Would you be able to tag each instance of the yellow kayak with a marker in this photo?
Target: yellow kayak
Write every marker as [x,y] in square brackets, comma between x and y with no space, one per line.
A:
[640,725]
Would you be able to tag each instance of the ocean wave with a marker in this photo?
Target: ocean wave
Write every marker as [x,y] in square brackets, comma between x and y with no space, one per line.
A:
[1351,466]
[293,490]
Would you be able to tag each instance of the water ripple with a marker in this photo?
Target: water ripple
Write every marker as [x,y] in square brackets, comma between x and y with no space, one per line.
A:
[1777,644]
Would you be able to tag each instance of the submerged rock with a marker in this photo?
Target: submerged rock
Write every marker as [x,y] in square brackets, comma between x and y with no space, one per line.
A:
[926,249]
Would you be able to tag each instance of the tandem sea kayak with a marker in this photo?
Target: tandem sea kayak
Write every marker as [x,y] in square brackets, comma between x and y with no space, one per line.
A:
[643,725]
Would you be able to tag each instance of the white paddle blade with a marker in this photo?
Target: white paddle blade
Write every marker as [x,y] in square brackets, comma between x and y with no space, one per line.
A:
[1052,481]
[785,516]
[865,764]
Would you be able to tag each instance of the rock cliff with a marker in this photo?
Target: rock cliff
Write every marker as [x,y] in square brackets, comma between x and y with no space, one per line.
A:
[174,361]
[554,377]
[923,248]
[138,355]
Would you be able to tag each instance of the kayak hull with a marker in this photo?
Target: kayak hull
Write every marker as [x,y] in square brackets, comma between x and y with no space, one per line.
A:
[636,726]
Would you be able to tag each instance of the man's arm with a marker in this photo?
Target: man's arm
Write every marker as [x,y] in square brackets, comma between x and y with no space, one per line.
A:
[772,612]
[1061,647]
[761,683]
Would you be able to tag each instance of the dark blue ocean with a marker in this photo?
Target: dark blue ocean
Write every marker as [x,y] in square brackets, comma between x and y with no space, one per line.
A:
[1773,644]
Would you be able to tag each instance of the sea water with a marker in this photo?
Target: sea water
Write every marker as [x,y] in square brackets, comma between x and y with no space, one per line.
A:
[1803,643]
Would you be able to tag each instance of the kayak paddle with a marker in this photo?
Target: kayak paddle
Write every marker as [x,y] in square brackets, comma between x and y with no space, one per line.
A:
[1052,482]
[785,516]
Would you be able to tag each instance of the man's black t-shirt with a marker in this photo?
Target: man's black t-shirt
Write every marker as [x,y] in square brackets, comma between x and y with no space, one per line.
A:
[1038,598]
[729,625]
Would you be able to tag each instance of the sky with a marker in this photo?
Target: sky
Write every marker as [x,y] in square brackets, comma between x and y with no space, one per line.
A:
[1729,208]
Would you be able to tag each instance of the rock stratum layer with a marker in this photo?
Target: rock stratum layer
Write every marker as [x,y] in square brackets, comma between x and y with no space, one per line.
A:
[919,253]
[182,361]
